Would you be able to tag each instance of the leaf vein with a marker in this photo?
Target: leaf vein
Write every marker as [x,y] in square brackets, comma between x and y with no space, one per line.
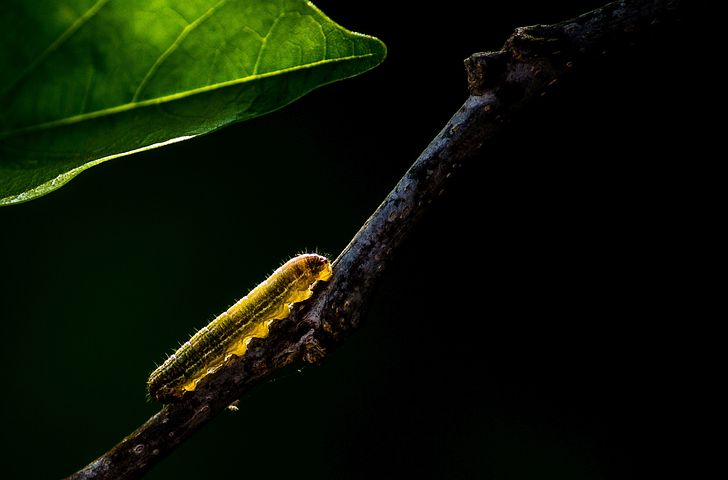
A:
[87,89]
[62,38]
[264,41]
[173,47]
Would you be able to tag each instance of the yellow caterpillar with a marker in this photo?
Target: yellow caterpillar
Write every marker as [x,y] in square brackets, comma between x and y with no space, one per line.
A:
[230,333]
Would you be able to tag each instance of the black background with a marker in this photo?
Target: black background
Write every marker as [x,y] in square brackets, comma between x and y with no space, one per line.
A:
[527,329]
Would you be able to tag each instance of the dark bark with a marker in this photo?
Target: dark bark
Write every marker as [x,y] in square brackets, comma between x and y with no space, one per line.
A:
[533,61]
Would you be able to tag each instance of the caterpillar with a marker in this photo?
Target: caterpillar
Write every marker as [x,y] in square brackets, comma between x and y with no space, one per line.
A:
[232,330]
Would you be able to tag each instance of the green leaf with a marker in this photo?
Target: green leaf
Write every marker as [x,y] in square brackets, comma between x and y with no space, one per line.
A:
[86,81]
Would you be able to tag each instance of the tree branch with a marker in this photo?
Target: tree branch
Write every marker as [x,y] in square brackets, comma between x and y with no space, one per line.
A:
[533,61]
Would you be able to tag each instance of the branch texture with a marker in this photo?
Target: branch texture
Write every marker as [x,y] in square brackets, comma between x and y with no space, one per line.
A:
[533,61]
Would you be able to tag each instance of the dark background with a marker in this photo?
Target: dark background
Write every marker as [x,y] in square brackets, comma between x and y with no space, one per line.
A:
[525,331]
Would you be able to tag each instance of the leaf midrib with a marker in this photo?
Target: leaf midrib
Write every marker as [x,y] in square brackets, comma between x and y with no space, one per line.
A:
[170,98]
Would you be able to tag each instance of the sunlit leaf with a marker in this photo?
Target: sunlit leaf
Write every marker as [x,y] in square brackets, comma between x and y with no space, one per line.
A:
[86,81]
